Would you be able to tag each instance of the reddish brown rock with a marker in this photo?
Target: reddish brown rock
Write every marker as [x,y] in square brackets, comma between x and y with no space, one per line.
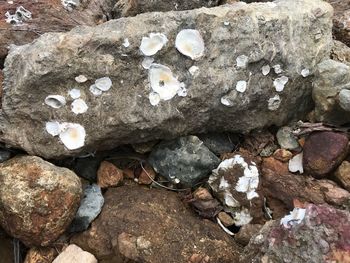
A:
[226,219]
[323,152]
[282,155]
[109,175]
[322,235]
[343,174]
[38,200]
[41,255]
[246,232]
[341,22]
[162,226]
[278,183]
[147,175]
[204,203]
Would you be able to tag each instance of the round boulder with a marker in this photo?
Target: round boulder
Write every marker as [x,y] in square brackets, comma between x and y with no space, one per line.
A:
[37,199]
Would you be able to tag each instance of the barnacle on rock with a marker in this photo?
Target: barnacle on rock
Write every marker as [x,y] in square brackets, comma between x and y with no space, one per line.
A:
[152,44]
[189,42]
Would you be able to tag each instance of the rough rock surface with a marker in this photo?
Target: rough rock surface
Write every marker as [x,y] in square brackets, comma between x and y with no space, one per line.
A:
[342,174]
[330,78]
[166,230]
[322,236]
[186,159]
[246,232]
[219,143]
[258,33]
[324,152]
[37,199]
[286,139]
[341,27]
[341,52]
[279,184]
[109,175]
[90,207]
[41,255]
[75,254]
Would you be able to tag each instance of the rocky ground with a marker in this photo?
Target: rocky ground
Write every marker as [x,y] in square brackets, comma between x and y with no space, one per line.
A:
[174,131]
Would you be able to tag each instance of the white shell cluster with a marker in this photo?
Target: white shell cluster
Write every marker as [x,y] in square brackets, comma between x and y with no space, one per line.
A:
[101,85]
[152,44]
[72,135]
[163,84]
[190,43]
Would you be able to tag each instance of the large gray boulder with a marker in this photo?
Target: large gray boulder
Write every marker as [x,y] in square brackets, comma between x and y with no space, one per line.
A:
[227,92]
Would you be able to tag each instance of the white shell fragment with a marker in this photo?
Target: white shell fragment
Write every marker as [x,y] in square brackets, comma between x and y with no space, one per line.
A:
[79,106]
[104,83]
[242,61]
[74,93]
[81,79]
[279,83]
[294,218]
[242,217]
[194,70]
[53,128]
[241,86]
[152,44]
[224,228]
[163,82]
[72,135]
[278,69]
[69,5]
[147,62]
[126,42]
[265,70]
[305,72]
[182,92]
[154,98]
[21,15]
[226,101]
[274,103]
[55,101]
[296,164]
[189,42]
[94,90]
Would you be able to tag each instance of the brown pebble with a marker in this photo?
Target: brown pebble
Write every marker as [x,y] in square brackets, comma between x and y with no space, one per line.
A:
[282,155]
[147,175]
[226,219]
[109,175]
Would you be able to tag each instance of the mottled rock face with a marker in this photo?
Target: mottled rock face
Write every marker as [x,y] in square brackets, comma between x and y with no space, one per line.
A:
[323,235]
[323,152]
[153,226]
[226,83]
[38,200]
[41,255]
[185,160]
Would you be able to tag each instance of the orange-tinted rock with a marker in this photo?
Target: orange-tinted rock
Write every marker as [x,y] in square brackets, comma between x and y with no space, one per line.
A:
[147,175]
[109,175]
[323,152]
[41,255]
[343,174]
[38,200]
[282,155]
[226,219]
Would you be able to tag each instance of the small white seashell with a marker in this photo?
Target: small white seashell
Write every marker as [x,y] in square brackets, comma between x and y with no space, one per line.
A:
[279,83]
[72,135]
[226,101]
[265,70]
[53,128]
[74,93]
[305,72]
[182,92]
[296,164]
[242,61]
[79,106]
[189,42]
[274,103]
[277,69]
[154,98]
[194,70]
[241,86]
[152,44]
[147,62]
[81,79]
[55,101]
[104,83]
[94,90]
[126,42]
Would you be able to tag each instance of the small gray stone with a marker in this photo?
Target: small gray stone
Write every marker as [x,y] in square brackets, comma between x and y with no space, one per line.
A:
[344,99]
[90,207]
[185,158]
[286,139]
[219,143]
[87,168]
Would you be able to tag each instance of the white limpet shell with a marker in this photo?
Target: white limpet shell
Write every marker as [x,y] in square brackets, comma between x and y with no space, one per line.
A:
[189,42]
[147,62]
[294,218]
[152,44]
[126,42]
[53,128]
[242,61]
[163,82]
[55,101]
[296,164]
[81,79]
[226,23]
[72,135]
[274,103]
[226,101]
[79,106]
[194,70]
[94,90]
[279,83]
[305,72]
[74,93]
[103,84]
[277,68]
[265,70]
[241,86]
[154,98]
